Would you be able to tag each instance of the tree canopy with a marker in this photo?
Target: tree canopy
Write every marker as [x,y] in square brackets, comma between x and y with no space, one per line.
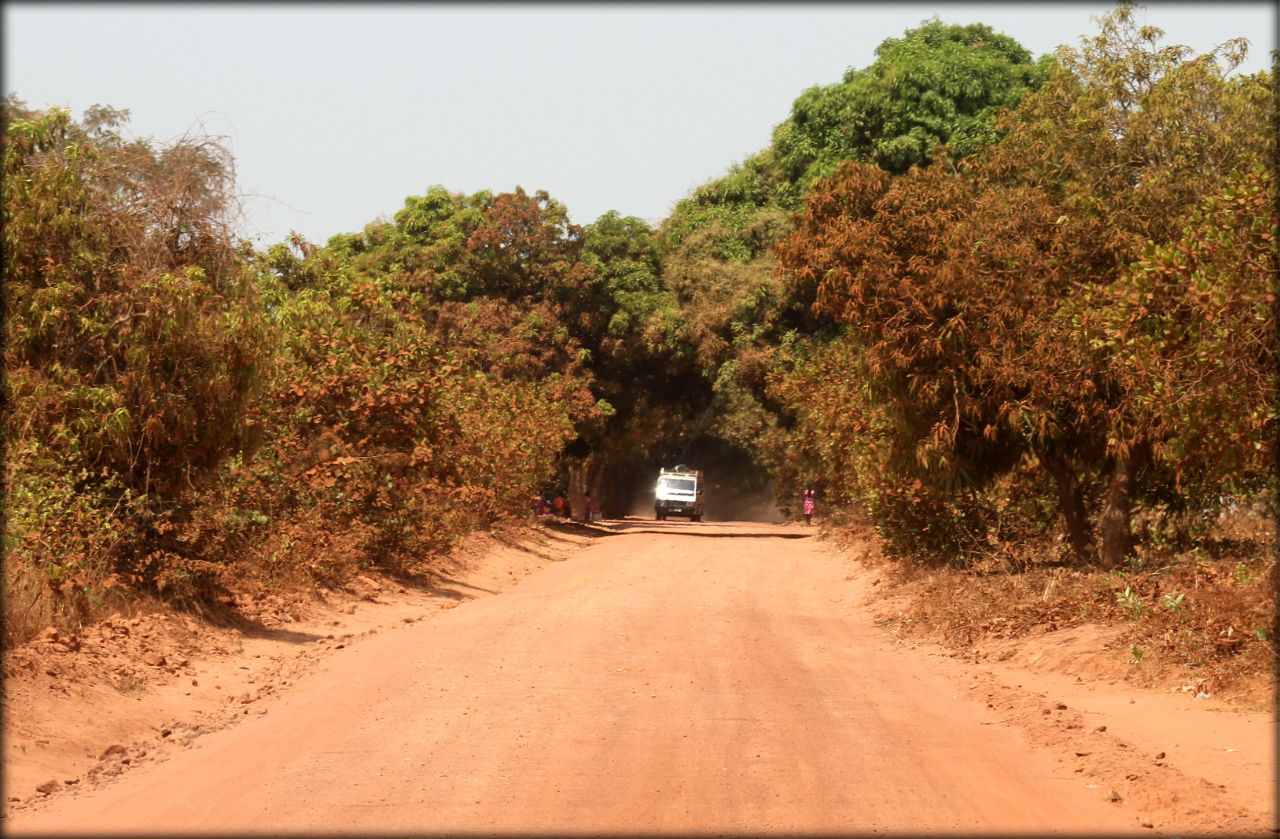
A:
[937,84]
[999,307]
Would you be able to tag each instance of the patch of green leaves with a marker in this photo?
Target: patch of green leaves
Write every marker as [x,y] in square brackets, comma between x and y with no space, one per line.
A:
[1131,603]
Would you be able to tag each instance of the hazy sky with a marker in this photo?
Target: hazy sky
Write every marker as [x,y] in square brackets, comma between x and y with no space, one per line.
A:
[335,113]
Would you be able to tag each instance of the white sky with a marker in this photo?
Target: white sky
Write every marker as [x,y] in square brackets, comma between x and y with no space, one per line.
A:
[335,113]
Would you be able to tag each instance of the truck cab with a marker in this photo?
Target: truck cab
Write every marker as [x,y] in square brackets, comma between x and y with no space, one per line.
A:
[679,492]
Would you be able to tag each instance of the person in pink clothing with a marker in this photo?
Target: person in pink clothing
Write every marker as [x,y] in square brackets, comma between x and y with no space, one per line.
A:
[809,504]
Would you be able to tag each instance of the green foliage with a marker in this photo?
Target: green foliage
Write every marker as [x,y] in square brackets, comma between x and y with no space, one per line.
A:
[1241,575]
[1131,603]
[1189,331]
[639,315]
[938,84]
[426,377]
[644,364]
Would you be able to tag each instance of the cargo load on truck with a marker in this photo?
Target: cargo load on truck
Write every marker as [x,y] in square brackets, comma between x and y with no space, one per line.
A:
[679,493]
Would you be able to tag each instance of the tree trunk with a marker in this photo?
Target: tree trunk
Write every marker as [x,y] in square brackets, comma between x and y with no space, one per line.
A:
[616,499]
[586,477]
[1117,537]
[578,487]
[1071,504]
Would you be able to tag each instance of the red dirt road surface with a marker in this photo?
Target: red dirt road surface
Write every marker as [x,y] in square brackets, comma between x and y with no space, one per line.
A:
[669,677]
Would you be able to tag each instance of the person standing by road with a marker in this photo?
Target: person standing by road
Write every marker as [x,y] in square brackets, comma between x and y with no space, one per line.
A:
[809,504]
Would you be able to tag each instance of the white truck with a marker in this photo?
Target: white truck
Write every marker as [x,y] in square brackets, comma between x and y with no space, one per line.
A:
[678,493]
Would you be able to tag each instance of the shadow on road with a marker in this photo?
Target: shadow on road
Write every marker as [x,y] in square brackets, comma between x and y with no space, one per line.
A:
[576,528]
[709,529]
[256,629]
[738,534]
[454,594]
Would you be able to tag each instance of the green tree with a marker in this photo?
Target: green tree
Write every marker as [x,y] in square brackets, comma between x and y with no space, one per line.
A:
[937,84]
[1133,134]
[642,360]
[1190,329]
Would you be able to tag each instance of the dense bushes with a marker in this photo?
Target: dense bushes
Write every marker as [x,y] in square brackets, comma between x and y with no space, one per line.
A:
[183,414]
[1026,308]
[130,352]
[1082,311]
[393,410]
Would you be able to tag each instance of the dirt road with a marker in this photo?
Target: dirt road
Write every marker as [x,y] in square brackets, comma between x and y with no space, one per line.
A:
[671,677]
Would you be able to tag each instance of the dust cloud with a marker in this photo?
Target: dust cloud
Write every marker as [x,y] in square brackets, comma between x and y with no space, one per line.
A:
[757,506]
[725,501]
[737,488]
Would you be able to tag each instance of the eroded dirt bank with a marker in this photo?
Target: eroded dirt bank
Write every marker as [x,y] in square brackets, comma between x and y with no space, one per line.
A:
[82,710]
[664,677]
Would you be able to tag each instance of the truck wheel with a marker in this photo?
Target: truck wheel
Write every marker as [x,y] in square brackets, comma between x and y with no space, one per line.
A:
[695,518]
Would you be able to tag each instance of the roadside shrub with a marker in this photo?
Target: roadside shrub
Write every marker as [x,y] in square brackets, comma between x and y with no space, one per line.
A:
[130,336]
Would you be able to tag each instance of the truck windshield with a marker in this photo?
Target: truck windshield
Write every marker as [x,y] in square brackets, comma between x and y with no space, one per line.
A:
[680,484]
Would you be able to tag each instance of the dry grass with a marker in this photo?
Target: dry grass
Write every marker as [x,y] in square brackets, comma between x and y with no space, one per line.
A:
[32,605]
[1204,616]
[28,608]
